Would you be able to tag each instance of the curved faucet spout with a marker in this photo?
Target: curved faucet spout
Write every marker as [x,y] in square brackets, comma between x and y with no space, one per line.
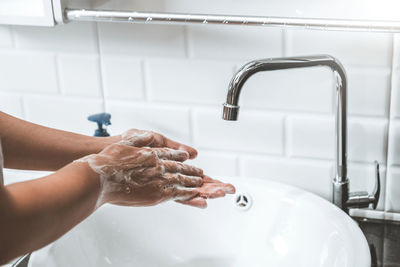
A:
[269,64]
[231,107]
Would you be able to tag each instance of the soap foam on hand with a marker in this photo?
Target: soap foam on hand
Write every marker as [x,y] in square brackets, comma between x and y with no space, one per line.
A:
[140,176]
[147,176]
[144,138]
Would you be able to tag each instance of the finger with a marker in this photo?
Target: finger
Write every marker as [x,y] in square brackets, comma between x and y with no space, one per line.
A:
[174,167]
[208,179]
[197,202]
[186,194]
[177,193]
[183,180]
[212,193]
[171,154]
[215,190]
[175,145]
[229,188]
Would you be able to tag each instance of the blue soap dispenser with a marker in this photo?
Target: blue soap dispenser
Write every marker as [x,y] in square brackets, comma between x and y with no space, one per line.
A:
[102,119]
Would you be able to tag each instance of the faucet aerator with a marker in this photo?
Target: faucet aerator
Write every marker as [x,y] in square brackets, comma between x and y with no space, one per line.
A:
[230,112]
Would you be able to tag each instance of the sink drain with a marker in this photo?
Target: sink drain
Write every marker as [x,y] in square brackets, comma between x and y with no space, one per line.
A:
[243,201]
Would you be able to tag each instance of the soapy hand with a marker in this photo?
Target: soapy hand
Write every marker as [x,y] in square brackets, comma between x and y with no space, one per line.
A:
[143,138]
[148,176]
[210,189]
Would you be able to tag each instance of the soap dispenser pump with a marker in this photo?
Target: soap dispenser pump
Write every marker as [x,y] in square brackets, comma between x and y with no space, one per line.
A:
[102,119]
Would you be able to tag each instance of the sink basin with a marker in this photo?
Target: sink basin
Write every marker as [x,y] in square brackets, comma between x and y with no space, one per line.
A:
[264,224]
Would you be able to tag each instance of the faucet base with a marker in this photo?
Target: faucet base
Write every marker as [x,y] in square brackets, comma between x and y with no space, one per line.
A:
[341,194]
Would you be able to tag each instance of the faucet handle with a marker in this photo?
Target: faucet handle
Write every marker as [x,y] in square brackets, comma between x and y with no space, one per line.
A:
[377,189]
[362,199]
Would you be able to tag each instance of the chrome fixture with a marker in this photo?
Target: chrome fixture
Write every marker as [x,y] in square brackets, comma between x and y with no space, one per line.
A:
[341,196]
[208,19]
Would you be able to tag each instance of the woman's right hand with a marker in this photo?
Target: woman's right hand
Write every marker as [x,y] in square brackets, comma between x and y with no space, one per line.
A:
[134,176]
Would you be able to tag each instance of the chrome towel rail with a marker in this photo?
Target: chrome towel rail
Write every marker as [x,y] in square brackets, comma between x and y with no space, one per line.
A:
[179,18]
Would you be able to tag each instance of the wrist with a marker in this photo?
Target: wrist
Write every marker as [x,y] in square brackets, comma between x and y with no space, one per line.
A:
[97,144]
[111,139]
[88,178]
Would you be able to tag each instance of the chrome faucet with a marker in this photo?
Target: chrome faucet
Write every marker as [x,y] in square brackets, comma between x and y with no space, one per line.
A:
[341,196]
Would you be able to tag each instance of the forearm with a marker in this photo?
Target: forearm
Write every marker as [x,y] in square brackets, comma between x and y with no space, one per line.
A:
[31,146]
[37,212]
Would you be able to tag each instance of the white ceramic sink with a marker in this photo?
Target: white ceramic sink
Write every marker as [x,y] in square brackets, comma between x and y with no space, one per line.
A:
[280,226]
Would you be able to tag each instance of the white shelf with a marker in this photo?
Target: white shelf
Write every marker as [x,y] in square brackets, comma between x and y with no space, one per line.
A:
[26,12]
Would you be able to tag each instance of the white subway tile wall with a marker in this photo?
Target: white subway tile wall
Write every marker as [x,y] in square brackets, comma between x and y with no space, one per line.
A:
[172,121]
[367,140]
[79,75]
[11,104]
[63,112]
[310,137]
[188,81]
[308,89]
[351,48]
[314,138]
[29,72]
[315,176]
[259,132]
[142,40]
[173,79]
[393,173]
[5,37]
[394,151]
[227,163]
[395,107]
[122,77]
[73,38]
[241,42]
[373,84]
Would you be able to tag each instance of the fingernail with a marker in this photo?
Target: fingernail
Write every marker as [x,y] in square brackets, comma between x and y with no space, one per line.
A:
[194,155]
[184,152]
[203,206]
[230,190]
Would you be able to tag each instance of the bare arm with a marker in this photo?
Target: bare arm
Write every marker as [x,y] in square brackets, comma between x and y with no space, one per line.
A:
[30,146]
[33,147]
[37,212]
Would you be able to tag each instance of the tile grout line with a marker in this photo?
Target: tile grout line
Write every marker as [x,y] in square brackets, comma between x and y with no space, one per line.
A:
[23,107]
[186,41]
[145,83]
[13,39]
[100,68]
[58,72]
[388,142]
[192,127]
[285,137]
[284,40]
[239,166]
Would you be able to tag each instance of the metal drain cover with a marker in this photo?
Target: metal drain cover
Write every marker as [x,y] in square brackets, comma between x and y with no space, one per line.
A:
[243,201]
